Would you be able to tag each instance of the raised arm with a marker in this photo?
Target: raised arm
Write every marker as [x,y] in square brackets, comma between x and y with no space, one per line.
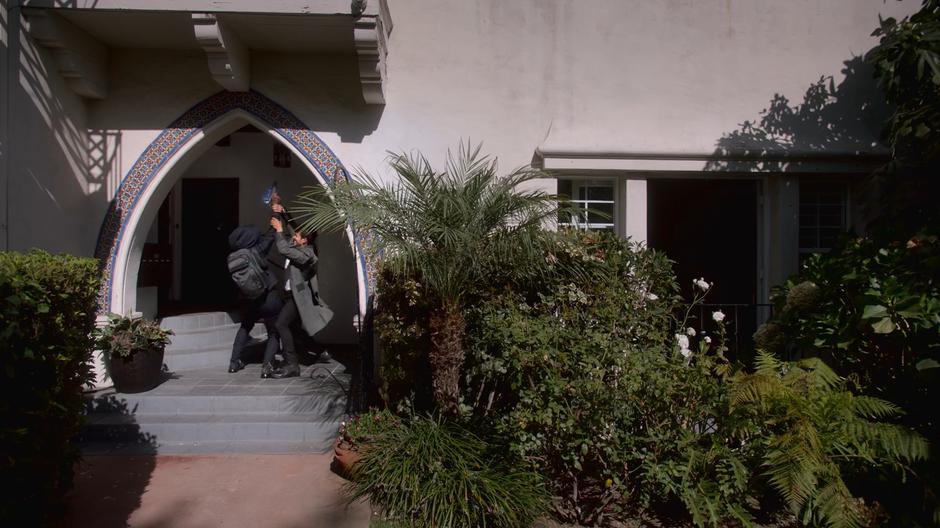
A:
[298,256]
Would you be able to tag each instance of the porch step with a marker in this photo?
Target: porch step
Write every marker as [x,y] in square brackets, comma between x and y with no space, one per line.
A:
[204,340]
[204,330]
[316,430]
[210,410]
[209,356]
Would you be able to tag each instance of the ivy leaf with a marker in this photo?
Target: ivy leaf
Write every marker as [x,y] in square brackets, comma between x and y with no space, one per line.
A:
[883,326]
[874,310]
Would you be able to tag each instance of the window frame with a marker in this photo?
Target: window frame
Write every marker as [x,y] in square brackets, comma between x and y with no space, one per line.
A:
[804,252]
[579,184]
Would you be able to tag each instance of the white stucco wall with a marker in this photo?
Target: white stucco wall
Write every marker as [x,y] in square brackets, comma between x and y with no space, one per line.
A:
[633,76]
[49,182]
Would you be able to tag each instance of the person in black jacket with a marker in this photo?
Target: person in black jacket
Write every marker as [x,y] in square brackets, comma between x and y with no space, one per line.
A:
[266,307]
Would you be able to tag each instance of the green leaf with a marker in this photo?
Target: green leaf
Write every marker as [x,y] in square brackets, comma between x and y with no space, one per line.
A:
[42,308]
[927,364]
[874,310]
[922,130]
[883,326]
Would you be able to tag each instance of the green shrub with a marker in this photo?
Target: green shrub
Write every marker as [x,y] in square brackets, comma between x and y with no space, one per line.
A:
[813,435]
[427,473]
[871,310]
[401,326]
[125,336]
[597,376]
[588,380]
[46,321]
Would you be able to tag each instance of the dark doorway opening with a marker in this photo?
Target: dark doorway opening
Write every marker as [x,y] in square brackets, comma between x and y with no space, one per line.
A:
[709,228]
[208,214]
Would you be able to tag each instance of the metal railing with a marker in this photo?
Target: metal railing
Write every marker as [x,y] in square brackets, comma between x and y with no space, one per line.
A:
[740,322]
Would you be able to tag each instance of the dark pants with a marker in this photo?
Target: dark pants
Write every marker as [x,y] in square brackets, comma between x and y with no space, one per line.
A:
[264,308]
[288,316]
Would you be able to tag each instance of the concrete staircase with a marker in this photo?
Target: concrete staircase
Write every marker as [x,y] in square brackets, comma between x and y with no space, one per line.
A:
[201,408]
[203,340]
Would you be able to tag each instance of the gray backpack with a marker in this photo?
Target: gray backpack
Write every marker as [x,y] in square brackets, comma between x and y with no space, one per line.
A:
[248,272]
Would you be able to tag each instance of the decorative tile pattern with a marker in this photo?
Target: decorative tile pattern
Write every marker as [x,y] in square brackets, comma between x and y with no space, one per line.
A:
[113,234]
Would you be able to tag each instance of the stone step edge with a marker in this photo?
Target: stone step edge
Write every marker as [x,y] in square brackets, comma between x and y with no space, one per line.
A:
[208,329]
[212,347]
[118,419]
[271,447]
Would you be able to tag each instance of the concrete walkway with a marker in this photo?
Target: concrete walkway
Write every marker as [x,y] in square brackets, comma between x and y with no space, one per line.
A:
[201,491]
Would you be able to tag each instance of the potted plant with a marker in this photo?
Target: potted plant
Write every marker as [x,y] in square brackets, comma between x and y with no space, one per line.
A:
[355,437]
[132,349]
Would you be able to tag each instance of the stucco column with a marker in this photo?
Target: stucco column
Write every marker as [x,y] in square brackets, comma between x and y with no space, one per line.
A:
[783,201]
[633,198]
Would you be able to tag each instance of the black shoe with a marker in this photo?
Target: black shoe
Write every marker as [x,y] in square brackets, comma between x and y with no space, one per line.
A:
[325,357]
[235,365]
[287,371]
[266,370]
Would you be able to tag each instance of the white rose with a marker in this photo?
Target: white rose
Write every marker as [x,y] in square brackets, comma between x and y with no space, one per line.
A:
[701,284]
[652,296]
[690,332]
[718,316]
[708,340]
[686,353]
[682,340]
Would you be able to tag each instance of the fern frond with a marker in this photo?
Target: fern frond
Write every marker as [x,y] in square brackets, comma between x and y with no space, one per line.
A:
[834,505]
[870,407]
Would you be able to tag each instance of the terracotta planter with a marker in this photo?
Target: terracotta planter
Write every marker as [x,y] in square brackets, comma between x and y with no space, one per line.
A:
[138,373]
[346,456]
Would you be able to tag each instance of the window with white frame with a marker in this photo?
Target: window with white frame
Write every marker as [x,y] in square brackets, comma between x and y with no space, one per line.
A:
[594,203]
[823,216]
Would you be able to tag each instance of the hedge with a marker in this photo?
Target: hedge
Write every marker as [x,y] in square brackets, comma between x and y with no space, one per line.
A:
[46,319]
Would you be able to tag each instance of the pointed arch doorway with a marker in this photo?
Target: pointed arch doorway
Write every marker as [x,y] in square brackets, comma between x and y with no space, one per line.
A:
[167,159]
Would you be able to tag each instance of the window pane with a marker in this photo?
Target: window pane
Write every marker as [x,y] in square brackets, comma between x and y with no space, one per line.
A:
[600,193]
[822,214]
[606,217]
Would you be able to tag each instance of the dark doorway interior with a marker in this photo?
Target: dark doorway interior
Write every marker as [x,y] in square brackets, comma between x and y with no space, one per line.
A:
[709,228]
[209,213]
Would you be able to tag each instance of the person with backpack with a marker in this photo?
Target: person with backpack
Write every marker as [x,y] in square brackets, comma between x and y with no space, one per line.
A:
[304,299]
[258,296]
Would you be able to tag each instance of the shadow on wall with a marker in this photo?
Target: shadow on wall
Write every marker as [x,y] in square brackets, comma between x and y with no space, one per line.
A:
[831,122]
[324,91]
[58,166]
[68,148]
[108,488]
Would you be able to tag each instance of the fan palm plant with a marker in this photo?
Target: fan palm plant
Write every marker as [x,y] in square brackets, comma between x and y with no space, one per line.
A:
[449,230]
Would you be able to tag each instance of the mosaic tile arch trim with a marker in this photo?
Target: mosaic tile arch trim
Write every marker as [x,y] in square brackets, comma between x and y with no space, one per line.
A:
[113,233]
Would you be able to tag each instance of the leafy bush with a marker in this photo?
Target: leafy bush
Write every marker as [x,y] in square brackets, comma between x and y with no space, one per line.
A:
[872,311]
[427,473]
[46,319]
[813,435]
[591,383]
[401,326]
[598,376]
